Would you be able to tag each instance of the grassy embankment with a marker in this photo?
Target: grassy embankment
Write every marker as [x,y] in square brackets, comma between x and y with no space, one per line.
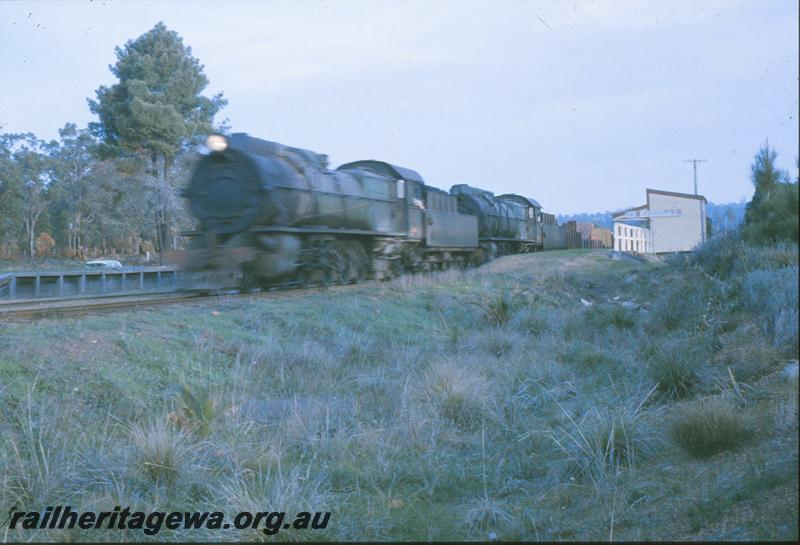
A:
[440,407]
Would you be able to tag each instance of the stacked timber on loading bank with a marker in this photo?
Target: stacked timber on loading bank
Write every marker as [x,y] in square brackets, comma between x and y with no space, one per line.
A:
[573,234]
[669,222]
[554,235]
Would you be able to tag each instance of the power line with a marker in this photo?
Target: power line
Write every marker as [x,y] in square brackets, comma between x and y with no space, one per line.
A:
[694,165]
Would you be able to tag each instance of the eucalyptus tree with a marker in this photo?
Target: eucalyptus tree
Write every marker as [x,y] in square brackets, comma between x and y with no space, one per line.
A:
[9,224]
[25,185]
[72,166]
[155,110]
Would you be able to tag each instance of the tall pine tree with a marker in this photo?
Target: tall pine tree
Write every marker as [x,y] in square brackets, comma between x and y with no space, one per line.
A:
[155,109]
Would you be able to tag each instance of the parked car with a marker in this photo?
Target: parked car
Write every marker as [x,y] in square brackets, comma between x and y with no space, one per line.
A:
[104,264]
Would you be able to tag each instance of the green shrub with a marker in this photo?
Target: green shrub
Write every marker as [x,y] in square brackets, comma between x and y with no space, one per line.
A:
[773,296]
[728,256]
[769,257]
[774,217]
[683,305]
[710,426]
[772,214]
[719,254]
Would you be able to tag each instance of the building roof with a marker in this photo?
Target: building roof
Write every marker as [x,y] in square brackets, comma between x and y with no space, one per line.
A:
[657,192]
[621,212]
[675,194]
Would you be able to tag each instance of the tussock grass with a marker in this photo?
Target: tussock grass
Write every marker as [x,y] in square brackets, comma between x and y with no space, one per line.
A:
[585,356]
[600,446]
[710,426]
[196,411]
[162,454]
[786,412]
[263,490]
[458,394]
[532,321]
[37,460]
[498,342]
[484,514]
[678,368]
[605,315]
[500,305]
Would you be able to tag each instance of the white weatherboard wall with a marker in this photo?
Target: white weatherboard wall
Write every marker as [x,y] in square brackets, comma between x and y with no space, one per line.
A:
[631,238]
[679,233]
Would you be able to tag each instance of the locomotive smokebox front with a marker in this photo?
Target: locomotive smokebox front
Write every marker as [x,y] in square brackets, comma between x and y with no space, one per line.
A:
[229,190]
[225,192]
[237,190]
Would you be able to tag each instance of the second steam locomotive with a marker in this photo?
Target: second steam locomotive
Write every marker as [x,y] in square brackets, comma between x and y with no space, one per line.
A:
[270,213]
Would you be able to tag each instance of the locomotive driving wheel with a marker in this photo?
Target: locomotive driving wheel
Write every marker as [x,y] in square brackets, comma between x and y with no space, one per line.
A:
[249,280]
[323,263]
[356,262]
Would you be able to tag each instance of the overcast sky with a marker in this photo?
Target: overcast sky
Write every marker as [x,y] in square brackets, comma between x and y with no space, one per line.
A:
[579,104]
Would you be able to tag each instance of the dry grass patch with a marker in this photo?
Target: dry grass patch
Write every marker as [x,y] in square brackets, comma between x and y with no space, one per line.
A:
[459,394]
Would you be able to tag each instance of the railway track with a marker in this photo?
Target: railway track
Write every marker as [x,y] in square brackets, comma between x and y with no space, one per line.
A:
[37,308]
[72,306]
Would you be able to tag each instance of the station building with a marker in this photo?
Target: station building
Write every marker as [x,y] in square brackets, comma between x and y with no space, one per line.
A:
[669,222]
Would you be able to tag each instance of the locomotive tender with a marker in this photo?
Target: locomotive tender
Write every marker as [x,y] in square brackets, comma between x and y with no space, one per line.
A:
[271,213]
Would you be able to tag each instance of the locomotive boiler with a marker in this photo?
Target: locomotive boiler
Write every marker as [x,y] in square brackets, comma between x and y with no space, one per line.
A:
[506,224]
[270,212]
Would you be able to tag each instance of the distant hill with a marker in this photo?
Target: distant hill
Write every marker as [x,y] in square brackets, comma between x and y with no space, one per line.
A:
[600,219]
[724,216]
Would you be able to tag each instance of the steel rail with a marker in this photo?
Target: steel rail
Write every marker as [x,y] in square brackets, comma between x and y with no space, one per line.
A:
[54,307]
[91,305]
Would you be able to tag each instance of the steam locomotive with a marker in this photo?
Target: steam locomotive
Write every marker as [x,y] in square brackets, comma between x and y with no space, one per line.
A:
[270,213]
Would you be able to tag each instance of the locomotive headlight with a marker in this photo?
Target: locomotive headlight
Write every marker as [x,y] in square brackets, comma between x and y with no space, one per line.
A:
[216,142]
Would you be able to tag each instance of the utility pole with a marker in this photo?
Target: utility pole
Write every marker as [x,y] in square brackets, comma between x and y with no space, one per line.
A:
[694,164]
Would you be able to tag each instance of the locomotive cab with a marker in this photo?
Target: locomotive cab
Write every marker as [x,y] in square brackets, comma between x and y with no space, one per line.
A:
[531,227]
